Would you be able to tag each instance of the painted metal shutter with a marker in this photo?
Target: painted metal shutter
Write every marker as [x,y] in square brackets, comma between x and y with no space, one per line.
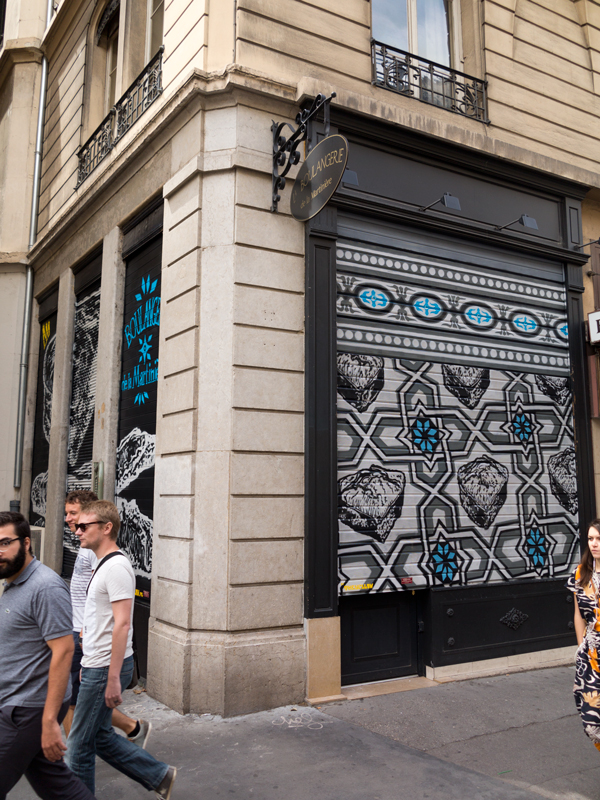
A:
[137,411]
[43,417]
[455,436]
[83,398]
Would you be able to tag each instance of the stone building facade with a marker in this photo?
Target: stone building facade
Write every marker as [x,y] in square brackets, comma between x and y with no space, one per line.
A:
[287,538]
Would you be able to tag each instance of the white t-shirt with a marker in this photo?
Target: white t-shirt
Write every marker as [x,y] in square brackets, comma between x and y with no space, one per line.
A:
[85,564]
[115,581]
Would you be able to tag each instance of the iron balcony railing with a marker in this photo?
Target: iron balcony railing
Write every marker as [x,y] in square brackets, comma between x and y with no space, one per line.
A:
[429,82]
[146,88]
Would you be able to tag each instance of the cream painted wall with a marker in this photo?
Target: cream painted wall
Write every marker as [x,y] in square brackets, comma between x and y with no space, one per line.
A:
[18,111]
[25,19]
[542,63]
[12,296]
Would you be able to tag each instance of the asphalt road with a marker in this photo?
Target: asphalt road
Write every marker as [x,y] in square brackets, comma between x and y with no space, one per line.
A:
[512,737]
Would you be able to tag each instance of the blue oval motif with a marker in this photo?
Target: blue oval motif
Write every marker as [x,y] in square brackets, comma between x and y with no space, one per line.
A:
[563,330]
[479,316]
[427,307]
[525,323]
[376,300]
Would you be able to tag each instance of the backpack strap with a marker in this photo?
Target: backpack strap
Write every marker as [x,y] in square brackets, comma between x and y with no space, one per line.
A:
[103,561]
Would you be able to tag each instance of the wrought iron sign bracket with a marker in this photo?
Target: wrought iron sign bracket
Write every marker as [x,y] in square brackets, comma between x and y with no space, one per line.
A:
[285,151]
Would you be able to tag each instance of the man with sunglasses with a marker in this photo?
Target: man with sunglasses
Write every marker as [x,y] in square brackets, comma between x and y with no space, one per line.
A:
[107,662]
[36,648]
[137,731]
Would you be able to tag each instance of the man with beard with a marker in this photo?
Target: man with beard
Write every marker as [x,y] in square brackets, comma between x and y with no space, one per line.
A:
[36,648]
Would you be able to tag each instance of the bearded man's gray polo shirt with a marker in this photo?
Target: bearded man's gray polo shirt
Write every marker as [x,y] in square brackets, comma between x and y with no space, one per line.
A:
[34,609]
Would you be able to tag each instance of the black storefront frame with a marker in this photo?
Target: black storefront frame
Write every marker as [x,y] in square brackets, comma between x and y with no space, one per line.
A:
[321,597]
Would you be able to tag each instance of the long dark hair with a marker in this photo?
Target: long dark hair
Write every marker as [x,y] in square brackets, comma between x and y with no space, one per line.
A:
[586,565]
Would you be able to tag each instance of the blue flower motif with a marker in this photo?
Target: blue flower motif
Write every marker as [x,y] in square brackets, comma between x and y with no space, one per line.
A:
[145,348]
[525,323]
[141,398]
[536,547]
[427,307]
[425,436]
[522,427]
[444,562]
[478,316]
[147,287]
[374,299]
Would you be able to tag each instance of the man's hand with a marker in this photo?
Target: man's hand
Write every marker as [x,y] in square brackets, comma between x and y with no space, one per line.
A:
[58,680]
[112,695]
[52,742]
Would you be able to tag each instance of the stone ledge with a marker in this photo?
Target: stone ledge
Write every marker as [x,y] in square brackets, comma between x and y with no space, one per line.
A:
[319,701]
[557,657]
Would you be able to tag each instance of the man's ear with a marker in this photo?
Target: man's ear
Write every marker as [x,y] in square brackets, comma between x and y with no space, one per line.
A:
[28,547]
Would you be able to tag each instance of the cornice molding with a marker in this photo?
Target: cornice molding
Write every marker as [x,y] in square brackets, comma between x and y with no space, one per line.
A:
[18,51]
[209,90]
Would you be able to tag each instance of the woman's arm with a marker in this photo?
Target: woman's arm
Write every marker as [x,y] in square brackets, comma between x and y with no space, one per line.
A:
[579,622]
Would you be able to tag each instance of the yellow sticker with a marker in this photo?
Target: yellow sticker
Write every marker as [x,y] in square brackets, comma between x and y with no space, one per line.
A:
[45,333]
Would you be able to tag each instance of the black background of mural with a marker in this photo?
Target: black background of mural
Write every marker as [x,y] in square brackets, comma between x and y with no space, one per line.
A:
[81,416]
[137,542]
[43,408]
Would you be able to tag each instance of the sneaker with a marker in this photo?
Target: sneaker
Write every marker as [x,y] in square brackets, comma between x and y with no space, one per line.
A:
[166,785]
[143,734]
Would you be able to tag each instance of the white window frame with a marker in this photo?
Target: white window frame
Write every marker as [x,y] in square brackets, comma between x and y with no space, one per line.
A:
[149,28]
[454,33]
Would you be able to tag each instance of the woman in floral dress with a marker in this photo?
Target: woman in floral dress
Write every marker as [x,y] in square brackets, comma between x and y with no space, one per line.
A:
[585,584]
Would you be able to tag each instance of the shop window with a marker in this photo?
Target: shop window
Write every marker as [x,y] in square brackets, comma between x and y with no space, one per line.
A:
[421,27]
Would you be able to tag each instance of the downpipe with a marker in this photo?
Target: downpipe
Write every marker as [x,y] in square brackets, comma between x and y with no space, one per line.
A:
[35,200]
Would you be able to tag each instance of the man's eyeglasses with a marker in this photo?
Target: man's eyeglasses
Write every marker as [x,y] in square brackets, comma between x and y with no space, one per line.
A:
[83,526]
[5,543]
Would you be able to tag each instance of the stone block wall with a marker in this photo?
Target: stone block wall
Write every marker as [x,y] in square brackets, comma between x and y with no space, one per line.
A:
[226,630]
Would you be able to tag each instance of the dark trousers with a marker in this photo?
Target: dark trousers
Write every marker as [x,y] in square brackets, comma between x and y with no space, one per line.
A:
[21,754]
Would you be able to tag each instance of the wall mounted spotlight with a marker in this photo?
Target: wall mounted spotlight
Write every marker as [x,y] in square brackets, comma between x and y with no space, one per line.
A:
[524,220]
[447,199]
[587,244]
[350,178]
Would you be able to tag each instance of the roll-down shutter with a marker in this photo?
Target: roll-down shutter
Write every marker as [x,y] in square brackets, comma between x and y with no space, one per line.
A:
[43,411]
[83,398]
[455,436]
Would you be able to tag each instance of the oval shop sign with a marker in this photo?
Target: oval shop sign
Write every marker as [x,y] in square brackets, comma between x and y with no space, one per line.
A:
[319,176]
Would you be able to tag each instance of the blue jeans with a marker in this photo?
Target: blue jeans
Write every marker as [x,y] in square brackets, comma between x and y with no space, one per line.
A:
[92,733]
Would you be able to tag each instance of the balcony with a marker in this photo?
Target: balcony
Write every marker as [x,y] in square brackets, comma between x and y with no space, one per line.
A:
[429,82]
[146,88]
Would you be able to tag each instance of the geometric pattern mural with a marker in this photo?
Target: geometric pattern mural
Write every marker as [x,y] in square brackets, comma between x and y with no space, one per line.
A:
[453,472]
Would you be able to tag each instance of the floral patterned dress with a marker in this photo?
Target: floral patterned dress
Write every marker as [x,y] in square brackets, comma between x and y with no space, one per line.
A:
[587,670]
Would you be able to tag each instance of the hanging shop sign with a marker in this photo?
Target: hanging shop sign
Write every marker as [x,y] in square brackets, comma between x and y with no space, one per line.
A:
[594,327]
[319,177]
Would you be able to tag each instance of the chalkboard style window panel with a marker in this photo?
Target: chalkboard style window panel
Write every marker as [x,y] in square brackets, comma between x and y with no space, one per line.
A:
[83,396]
[43,418]
[137,411]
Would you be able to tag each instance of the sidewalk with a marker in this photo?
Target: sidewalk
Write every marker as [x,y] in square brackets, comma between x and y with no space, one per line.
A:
[512,737]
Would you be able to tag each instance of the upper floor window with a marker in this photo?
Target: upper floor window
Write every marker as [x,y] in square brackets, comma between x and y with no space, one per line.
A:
[112,53]
[156,10]
[123,74]
[421,27]
[417,52]
[2,16]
